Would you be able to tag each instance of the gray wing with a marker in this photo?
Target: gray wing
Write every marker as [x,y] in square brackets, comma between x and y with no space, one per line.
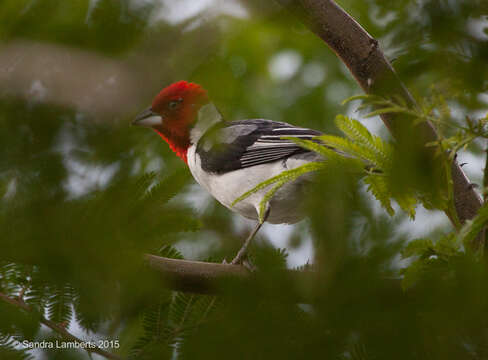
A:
[240,144]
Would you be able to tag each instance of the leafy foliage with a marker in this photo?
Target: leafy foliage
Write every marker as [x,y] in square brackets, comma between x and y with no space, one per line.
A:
[167,322]
[59,299]
[8,350]
[68,21]
[474,227]
[430,257]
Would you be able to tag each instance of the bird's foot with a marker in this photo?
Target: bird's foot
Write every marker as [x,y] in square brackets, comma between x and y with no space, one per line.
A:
[249,265]
[243,260]
[239,259]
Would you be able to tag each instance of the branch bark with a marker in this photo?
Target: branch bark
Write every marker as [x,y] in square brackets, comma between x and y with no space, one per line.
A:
[19,303]
[193,276]
[206,278]
[360,52]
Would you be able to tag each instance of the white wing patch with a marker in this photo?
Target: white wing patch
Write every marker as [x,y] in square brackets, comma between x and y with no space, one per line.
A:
[290,129]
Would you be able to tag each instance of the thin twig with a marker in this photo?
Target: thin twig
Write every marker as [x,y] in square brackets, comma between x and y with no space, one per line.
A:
[485,192]
[19,303]
[485,177]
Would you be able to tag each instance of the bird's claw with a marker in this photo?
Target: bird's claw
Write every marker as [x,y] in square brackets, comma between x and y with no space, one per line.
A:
[248,265]
[243,261]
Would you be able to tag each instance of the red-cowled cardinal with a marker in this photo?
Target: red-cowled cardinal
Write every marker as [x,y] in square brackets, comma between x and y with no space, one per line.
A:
[229,158]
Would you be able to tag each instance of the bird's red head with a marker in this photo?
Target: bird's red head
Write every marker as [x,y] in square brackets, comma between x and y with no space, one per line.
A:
[174,112]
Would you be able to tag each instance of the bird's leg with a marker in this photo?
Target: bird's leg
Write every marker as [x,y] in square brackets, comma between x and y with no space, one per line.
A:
[241,255]
[243,251]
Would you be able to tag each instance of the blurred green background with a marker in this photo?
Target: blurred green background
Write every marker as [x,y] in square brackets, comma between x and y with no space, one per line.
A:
[83,195]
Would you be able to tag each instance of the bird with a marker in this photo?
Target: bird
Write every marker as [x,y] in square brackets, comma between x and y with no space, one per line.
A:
[228,158]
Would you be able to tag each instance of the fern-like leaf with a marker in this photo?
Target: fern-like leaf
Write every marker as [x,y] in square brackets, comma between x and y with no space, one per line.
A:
[155,331]
[407,202]
[144,182]
[10,351]
[385,110]
[170,252]
[286,176]
[167,188]
[351,148]
[473,227]
[59,308]
[187,311]
[359,134]
[378,186]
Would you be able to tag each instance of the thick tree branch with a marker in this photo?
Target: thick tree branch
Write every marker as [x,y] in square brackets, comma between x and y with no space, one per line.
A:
[206,278]
[193,276]
[66,335]
[373,72]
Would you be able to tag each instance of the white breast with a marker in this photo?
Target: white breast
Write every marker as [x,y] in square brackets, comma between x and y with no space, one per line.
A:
[286,205]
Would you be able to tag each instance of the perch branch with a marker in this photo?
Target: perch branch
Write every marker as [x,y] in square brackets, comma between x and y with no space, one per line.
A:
[19,303]
[193,276]
[205,278]
[360,52]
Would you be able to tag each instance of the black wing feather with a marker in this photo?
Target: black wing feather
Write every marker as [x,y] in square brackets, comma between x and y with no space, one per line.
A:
[249,143]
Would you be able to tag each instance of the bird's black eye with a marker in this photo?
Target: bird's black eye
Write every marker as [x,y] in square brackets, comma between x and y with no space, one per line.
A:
[175,103]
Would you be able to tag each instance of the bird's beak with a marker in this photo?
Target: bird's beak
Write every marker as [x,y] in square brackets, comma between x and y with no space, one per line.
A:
[148,118]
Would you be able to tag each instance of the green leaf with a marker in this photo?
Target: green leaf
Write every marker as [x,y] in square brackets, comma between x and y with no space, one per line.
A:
[385,110]
[418,247]
[9,349]
[350,147]
[407,202]
[263,205]
[379,188]
[60,305]
[312,146]
[448,246]
[331,154]
[366,97]
[156,331]
[413,273]
[169,187]
[358,133]
[170,252]
[287,175]
[473,227]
